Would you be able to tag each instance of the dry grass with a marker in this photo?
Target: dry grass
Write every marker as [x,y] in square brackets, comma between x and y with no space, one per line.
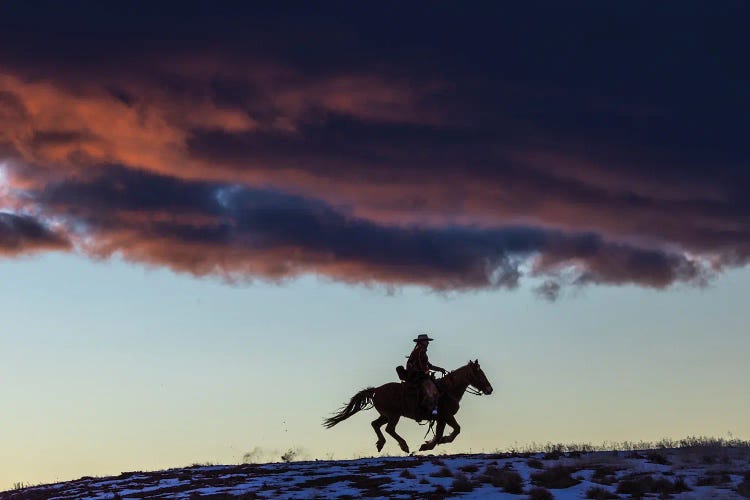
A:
[691,442]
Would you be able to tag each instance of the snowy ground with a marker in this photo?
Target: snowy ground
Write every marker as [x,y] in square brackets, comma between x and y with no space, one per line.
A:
[665,473]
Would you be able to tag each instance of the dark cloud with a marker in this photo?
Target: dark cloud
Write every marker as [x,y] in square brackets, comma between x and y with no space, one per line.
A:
[447,146]
[21,234]
[243,233]
[549,290]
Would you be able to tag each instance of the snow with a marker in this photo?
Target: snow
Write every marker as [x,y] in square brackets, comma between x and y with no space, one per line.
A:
[405,477]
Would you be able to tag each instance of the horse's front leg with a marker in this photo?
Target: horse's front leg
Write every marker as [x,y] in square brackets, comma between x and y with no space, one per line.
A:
[451,420]
[439,429]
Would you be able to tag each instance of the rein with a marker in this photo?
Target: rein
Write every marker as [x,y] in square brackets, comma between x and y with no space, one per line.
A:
[473,391]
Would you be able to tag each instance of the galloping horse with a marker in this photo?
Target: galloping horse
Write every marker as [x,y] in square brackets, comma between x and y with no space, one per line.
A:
[393,402]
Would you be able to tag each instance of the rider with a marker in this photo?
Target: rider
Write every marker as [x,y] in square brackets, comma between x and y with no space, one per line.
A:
[418,371]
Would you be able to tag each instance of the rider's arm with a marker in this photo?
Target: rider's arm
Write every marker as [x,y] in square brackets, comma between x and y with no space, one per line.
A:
[436,368]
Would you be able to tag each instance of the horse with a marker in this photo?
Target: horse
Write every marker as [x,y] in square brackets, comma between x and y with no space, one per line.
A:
[392,401]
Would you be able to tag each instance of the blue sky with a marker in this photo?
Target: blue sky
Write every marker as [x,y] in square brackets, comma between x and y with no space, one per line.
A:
[129,368]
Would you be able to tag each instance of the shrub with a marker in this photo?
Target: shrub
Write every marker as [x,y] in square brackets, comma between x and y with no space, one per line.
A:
[662,486]
[555,478]
[442,472]
[469,468]
[599,493]
[680,486]
[657,458]
[507,479]
[635,487]
[604,475]
[540,494]
[461,483]
[535,464]
[713,479]
[744,489]
[639,486]
[407,474]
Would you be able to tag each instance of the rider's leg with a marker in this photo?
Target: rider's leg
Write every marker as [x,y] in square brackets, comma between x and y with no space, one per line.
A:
[430,396]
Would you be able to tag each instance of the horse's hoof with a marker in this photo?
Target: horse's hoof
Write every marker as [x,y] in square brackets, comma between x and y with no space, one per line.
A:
[405,449]
[379,445]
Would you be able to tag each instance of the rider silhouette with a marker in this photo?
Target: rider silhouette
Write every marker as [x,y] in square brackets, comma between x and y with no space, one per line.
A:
[418,371]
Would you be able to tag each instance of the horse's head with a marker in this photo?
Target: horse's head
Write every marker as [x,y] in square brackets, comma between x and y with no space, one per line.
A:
[478,379]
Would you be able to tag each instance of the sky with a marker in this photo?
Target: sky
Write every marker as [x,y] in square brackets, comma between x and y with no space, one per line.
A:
[219,222]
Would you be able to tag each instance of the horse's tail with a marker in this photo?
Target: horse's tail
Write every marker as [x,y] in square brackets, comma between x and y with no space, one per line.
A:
[360,401]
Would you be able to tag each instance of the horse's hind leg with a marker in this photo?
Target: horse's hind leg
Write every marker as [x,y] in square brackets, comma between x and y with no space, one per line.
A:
[391,429]
[377,424]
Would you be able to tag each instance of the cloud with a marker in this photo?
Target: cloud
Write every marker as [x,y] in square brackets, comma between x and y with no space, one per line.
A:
[452,152]
[22,234]
[549,290]
[243,233]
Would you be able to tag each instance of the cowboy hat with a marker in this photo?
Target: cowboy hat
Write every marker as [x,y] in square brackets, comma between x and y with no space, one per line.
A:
[421,337]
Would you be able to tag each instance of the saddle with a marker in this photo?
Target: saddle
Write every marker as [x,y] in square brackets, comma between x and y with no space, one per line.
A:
[413,392]
[411,378]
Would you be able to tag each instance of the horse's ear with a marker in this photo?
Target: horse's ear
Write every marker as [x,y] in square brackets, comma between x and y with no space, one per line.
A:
[476,362]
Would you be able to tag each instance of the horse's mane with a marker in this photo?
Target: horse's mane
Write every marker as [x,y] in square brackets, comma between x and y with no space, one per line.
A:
[451,376]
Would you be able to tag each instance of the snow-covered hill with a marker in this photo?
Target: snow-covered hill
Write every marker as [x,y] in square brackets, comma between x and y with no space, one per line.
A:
[664,473]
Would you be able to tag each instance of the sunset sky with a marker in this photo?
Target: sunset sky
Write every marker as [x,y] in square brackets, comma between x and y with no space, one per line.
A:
[218,223]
